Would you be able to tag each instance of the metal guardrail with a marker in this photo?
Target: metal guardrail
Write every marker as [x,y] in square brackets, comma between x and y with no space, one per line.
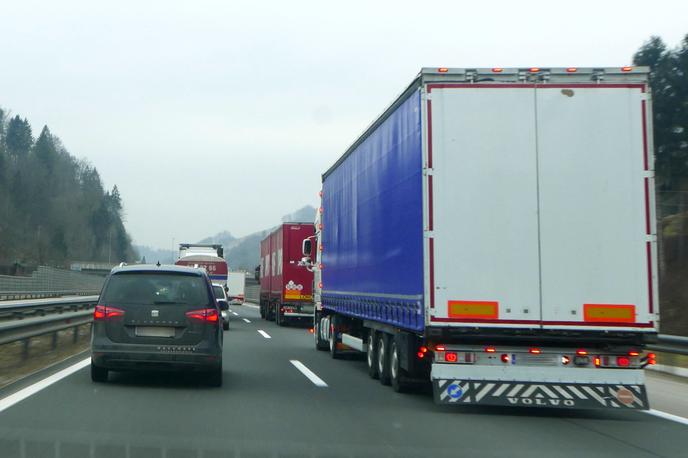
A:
[17,295]
[22,309]
[670,344]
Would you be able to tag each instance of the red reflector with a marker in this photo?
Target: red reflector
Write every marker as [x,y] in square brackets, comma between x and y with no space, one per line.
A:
[504,358]
[490,349]
[451,357]
[443,69]
[423,349]
[626,69]
[420,354]
[311,330]
[320,284]
[633,353]
[440,348]
[535,351]
[534,69]
[207,315]
[581,352]
[598,361]
[103,312]
[497,70]
[623,361]
[571,70]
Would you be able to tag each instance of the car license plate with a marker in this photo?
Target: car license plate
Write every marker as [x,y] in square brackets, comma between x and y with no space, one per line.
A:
[154,331]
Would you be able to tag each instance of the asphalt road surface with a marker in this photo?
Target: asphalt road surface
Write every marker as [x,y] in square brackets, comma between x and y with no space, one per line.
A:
[281,398]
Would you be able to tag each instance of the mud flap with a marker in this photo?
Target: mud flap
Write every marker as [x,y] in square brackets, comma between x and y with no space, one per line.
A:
[530,394]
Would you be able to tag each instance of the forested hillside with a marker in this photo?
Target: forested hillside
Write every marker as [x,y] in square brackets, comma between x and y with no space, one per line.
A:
[53,207]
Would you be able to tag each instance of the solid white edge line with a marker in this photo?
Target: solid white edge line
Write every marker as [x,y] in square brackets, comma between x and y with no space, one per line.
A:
[30,390]
[264,334]
[317,381]
[667,416]
[246,320]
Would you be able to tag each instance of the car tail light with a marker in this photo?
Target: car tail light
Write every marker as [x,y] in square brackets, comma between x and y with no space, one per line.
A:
[103,312]
[490,349]
[623,361]
[451,357]
[206,315]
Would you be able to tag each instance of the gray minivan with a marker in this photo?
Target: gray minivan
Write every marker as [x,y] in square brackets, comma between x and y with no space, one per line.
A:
[152,317]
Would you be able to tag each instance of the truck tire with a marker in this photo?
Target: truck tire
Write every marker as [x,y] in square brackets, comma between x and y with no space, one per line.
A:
[320,344]
[371,356]
[333,340]
[262,309]
[279,316]
[98,374]
[383,358]
[397,375]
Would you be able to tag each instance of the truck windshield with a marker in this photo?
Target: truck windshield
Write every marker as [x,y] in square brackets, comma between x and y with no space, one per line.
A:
[155,288]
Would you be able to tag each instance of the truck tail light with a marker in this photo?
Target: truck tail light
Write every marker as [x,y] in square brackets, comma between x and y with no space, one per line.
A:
[623,361]
[205,315]
[598,361]
[451,357]
[505,358]
[490,349]
[534,351]
[633,353]
[651,359]
[440,348]
[103,312]
[581,352]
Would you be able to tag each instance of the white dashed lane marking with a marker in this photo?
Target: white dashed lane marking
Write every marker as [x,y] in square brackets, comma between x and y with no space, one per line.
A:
[317,381]
[264,334]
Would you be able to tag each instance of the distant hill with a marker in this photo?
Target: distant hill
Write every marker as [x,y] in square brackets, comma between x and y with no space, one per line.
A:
[153,255]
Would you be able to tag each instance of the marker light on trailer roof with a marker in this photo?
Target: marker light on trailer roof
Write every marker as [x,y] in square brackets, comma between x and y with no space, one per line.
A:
[443,69]
[571,70]
[534,69]
[497,70]
[633,353]
[581,352]
[490,349]
[534,351]
[626,69]
[440,348]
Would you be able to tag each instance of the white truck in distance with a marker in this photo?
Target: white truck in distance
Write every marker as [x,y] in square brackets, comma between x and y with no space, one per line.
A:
[236,282]
[493,231]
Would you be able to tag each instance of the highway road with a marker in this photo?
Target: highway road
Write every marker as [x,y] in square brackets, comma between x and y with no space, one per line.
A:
[281,398]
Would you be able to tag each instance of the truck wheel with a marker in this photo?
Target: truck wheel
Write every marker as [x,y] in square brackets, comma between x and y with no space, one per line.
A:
[396,373]
[262,310]
[371,356]
[320,344]
[98,374]
[383,358]
[279,316]
[334,351]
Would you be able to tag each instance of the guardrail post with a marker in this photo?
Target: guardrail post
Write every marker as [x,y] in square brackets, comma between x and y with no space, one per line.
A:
[75,334]
[54,341]
[25,349]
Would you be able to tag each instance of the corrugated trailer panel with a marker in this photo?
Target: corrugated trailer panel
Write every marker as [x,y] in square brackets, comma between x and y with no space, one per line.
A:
[372,236]
[265,266]
[297,282]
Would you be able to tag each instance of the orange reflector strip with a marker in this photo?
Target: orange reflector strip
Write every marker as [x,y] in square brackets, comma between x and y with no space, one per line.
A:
[611,313]
[480,310]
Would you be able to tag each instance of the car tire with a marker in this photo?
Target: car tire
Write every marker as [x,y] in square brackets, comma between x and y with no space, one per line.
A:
[371,356]
[383,358]
[214,378]
[320,344]
[99,374]
[225,325]
[335,353]
[397,375]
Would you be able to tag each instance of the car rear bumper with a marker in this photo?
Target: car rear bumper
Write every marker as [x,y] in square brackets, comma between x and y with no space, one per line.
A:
[165,358]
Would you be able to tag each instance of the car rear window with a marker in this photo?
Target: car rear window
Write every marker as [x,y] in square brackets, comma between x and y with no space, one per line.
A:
[219,292]
[155,288]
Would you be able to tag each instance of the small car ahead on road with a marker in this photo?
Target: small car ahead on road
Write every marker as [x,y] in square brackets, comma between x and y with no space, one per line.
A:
[157,318]
[221,297]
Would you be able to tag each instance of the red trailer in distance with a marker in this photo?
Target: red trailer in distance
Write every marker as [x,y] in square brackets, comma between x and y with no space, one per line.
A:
[286,289]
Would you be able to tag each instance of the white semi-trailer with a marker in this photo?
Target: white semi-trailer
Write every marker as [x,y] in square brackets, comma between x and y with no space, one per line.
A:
[493,231]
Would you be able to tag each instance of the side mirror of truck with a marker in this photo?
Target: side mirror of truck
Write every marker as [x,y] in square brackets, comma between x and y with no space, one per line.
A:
[307,247]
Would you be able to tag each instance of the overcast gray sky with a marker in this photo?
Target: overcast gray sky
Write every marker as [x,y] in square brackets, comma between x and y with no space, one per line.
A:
[221,115]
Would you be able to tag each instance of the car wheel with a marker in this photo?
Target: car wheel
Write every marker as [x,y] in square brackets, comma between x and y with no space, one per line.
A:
[98,374]
[225,325]
[334,351]
[371,356]
[396,373]
[383,358]
[215,377]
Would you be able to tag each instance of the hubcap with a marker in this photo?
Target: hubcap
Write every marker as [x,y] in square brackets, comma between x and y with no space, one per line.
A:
[370,352]
[381,356]
[395,361]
